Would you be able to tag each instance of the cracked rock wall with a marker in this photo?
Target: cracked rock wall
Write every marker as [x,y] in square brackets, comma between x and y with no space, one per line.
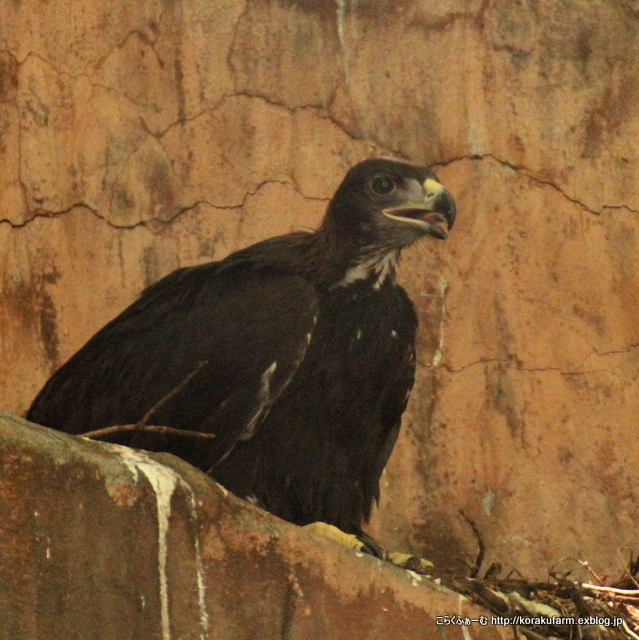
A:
[137,138]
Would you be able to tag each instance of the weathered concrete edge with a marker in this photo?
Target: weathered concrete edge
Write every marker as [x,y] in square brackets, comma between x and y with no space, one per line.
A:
[230,546]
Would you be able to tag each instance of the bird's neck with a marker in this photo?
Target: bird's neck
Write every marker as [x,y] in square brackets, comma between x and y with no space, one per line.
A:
[341,261]
[327,260]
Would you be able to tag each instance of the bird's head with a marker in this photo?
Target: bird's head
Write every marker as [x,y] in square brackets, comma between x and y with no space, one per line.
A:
[391,203]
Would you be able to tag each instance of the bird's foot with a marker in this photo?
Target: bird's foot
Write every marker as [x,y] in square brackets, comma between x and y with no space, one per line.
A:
[412,563]
[362,543]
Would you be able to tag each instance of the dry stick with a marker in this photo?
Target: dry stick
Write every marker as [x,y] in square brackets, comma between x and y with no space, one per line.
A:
[628,631]
[142,426]
[530,634]
[591,571]
[586,631]
[612,590]
[168,396]
[482,549]
[611,598]
[148,428]
[629,569]
[583,563]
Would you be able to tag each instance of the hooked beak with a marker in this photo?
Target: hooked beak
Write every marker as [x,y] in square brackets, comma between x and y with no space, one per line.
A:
[434,214]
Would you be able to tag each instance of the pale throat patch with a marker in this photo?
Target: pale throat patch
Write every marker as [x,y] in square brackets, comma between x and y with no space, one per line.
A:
[383,265]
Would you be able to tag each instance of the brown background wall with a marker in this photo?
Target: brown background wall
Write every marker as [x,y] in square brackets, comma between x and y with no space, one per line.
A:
[139,137]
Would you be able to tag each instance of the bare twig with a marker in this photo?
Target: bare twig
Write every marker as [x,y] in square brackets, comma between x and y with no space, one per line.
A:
[611,590]
[630,569]
[615,599]
[474,570]
[628,631]
[583,563]
[142,425]
[614,609]
[530,634]
[162,401]
[591,571]
[123,428]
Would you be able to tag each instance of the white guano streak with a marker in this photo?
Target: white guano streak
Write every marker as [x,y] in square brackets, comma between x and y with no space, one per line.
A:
[340,19]
[437,357]
[201,587]
[163,481]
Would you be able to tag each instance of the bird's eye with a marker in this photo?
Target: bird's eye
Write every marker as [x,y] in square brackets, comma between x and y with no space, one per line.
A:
[382,185]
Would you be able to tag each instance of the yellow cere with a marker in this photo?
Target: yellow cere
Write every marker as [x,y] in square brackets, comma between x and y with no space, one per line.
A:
[432,187]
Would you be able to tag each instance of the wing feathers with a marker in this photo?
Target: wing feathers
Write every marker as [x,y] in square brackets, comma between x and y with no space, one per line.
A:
[250,325]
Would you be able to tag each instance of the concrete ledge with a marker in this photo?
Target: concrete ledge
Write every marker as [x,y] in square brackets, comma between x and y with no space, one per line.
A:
[103,542]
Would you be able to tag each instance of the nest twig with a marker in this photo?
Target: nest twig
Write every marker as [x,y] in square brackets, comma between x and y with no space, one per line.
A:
[560,608]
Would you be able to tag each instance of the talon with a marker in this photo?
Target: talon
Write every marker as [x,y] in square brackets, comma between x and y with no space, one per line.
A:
[370,546]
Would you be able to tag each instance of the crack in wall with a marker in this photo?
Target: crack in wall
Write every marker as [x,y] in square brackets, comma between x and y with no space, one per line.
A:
[627,349]
[229,61]
[150,38]
[530,174]
[179,121]
[317,112]
[325,115]
[31,214]
[142,37]
[156,224]
[83,76]
[43,213]
[520,169]
[506,364]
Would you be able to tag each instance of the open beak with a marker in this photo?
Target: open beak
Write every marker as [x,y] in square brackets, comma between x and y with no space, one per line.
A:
[435,214]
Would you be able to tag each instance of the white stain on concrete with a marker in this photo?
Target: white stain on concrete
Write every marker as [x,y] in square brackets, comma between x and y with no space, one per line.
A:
[199,568]
[443,288]
[489,502]
[341,14]
[164,480]
[415,578]
[341,23]
[461,601]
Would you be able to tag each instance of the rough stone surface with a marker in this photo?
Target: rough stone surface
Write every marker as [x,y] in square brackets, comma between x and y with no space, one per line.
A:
[102,542]
[139,137]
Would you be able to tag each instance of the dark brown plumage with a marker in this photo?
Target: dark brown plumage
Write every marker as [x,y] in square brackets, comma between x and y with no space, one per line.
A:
[310,352]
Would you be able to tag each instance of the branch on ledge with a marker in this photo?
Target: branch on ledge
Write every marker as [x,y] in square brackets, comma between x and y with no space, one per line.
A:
[142,424]
[122,428]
